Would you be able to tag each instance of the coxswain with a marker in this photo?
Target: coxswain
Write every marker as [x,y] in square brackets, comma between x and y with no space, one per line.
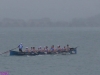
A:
[20,47]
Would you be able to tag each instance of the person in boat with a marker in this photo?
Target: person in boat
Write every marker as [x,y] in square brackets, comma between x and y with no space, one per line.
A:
[20,47]
[40,49]
[64,49]
[34,50]
[45,49]
[67,48]
[27,50]
[59,49]
[52,48]
[31,49]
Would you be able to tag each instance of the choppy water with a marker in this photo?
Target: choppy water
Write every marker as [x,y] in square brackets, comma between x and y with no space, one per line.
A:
[85,62]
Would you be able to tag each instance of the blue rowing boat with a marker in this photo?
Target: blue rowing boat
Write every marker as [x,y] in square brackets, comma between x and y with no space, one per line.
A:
[17,53]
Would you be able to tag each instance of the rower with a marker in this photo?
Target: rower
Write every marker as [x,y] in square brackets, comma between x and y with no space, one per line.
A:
[26,49]
[64,49]
[40,49]
[34,49]
[68,48]
[59,49]
[46,48]
[52,48]
[31,49]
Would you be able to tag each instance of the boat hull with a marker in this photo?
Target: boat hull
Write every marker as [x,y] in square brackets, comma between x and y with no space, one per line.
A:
[22,53]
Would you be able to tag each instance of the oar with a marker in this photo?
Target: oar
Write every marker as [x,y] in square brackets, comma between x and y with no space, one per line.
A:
[8,51]
[77,47]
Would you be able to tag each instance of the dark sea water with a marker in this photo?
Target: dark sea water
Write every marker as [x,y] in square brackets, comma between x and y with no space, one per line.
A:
[85,62]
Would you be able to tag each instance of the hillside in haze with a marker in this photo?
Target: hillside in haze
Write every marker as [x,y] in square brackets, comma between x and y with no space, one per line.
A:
[93,21]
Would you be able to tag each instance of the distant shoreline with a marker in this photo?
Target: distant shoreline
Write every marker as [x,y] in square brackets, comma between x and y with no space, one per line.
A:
[46,22]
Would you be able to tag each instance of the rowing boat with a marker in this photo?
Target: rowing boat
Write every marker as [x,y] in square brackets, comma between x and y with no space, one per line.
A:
[17,53]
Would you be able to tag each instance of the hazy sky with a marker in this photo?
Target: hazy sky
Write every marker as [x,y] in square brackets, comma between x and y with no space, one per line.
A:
[56,10]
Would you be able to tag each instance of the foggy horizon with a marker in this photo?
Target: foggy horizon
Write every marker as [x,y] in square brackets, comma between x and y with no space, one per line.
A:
[56,10]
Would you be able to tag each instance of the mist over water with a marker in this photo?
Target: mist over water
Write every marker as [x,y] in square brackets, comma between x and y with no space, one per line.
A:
[56,10]
[85,62]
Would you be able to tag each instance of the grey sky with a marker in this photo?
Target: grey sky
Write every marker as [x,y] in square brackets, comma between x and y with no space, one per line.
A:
[56,10]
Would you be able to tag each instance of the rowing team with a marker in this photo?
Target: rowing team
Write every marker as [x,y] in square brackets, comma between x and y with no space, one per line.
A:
[45,49]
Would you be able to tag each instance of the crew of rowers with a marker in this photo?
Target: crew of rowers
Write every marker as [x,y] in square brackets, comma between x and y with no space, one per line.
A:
[46,49]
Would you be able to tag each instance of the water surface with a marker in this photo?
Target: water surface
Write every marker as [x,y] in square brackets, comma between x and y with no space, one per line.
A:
[85,62]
